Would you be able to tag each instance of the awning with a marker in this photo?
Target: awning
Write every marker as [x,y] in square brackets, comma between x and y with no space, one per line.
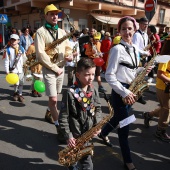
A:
[108,19]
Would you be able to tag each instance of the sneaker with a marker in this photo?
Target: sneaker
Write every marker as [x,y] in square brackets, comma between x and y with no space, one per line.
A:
[101,89]
[34,93]
[15,96]
[141,100]
[150,80]
[105,140]
[21,99]
[39,94]
[161,134]
[48,117]
[147,118]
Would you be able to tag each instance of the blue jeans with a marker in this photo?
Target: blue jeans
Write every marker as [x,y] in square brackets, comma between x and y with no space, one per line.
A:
[86,164]
[121,111]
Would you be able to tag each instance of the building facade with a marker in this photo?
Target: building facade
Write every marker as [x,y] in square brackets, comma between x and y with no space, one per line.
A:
[99,14]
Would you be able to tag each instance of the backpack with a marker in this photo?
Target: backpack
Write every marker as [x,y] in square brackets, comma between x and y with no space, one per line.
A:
[8,51]
[20,48]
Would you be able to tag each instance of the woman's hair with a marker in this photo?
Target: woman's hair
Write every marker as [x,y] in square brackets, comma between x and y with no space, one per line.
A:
[124,19]
[152,29]
[24,28]
[85,63]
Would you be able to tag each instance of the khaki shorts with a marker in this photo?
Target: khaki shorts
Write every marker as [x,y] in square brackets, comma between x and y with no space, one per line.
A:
[53,82]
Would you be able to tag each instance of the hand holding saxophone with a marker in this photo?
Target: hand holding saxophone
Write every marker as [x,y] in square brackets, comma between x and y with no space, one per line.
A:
[60,71]
[130,99]
[96,132]
[71,142]
[69,58]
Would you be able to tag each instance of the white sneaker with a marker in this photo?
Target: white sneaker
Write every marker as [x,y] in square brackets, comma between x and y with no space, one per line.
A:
[150,80]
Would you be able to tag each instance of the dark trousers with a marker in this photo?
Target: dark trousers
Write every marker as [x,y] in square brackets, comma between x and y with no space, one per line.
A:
[85,162]
[121,111]
[151,73]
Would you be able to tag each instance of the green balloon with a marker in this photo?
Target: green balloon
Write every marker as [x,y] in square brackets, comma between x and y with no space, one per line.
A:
[39,86]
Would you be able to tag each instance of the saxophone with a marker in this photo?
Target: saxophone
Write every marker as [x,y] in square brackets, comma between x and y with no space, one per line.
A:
[138,85]
[69,156]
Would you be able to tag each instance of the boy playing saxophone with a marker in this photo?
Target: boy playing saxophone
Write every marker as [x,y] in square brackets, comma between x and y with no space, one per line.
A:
[80,109]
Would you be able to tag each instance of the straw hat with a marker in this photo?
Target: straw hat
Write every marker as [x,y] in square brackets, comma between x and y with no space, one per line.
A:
[107,34]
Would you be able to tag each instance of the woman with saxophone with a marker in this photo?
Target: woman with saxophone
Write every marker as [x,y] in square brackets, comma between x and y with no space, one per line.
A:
[52,60]
[80,110]
[122,69]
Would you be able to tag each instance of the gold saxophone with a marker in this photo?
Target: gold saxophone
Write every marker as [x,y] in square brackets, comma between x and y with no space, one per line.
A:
[69,156]
[138,85]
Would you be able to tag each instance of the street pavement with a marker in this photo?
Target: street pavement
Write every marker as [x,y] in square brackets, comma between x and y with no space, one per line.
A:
[27,142]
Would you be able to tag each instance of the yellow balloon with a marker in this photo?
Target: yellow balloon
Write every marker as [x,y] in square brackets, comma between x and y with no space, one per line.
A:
[12,78]
[116,40]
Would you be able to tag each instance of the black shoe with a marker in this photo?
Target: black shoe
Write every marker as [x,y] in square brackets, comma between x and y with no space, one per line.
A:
[141,100]
[147,119]
[105,140]
[34,93]
[39,94]
[161,134]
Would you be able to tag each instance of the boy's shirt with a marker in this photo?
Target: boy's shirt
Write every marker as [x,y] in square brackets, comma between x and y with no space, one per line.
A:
[74,118]
[10,59]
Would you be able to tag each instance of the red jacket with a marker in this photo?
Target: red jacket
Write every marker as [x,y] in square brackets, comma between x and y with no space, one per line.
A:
[156,44]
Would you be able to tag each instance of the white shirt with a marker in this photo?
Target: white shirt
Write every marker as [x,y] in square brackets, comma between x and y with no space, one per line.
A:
[9,61]
[73,44]
[116,73]
[140,40]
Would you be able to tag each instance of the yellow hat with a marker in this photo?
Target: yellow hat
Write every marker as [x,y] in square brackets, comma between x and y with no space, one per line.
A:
[97,36]
[51,8]
[116,40]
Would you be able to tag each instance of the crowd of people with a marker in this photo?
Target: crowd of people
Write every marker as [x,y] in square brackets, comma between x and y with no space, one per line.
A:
[125,57]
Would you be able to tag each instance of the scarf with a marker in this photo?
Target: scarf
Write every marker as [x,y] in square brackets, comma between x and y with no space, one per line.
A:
[54,28]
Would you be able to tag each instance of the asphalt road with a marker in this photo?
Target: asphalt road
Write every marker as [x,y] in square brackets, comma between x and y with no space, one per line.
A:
[27,142]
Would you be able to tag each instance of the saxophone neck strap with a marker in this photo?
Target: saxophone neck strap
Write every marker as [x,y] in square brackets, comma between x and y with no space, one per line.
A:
[134,63]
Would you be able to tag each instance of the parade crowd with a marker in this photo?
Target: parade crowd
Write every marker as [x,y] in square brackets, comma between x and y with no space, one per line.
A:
[88,55]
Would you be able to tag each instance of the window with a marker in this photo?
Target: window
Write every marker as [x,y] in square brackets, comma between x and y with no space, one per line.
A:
[82,24]
[161,16]
[37,24]
[67,26]
[15,24]
[24,23]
